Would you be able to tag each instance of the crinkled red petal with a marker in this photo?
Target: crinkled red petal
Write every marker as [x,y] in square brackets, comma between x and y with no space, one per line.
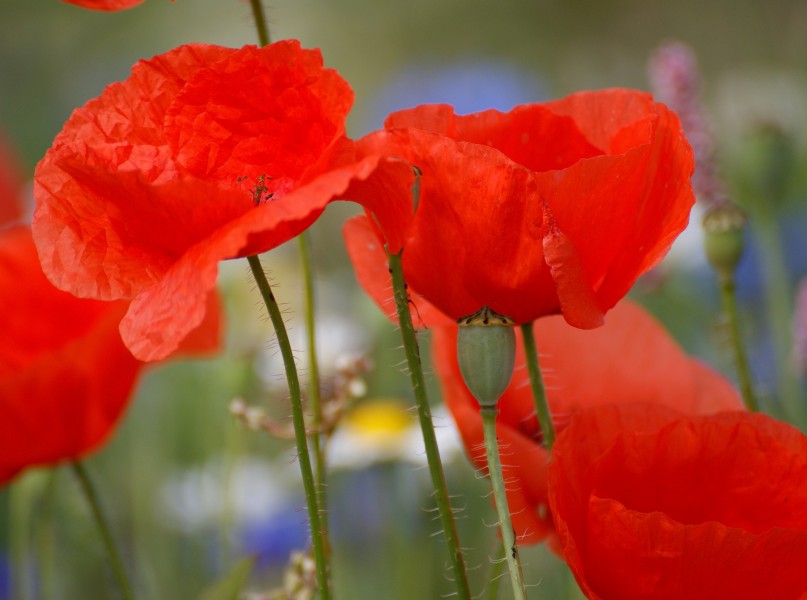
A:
[162,315]
[113,209]
[652,505]
[264,116]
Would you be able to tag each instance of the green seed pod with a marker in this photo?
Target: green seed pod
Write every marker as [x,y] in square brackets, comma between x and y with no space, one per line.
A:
[723,227]
[486,352]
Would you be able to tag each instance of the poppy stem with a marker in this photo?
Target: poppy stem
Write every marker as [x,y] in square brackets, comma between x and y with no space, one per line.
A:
[729,300]
[495,574]
[496,476]
[298,419]
[537,383]
[113,556]
[426,425]
[314,400]
[259,16]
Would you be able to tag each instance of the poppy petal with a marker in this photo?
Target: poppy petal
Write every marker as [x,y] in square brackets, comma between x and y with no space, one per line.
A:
[575,295]
[263,113]
[514,133]
[113,211]
[153,327]
[623,211]
[627,489]
[65,375]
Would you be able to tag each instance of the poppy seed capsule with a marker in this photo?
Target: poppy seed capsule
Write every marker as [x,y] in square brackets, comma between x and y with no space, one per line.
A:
[723,228]
[486,352]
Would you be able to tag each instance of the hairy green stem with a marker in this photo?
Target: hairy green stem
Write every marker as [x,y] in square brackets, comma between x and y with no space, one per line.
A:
[500,497]
[537,383]
[427,427]
[259,16]
[309,485]
[113,556]
[729,301]
[492,592]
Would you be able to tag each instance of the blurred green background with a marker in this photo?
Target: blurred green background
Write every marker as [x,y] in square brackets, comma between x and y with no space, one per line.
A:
[189,490]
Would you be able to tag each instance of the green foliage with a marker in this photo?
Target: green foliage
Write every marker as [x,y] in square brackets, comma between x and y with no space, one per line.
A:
[232,584]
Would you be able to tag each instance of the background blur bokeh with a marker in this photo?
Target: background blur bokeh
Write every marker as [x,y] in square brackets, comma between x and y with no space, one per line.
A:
[189,489]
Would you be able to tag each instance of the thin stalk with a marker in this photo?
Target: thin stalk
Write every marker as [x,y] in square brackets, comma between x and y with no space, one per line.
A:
[46,537]
[500,497]
[495,576]
[259,16]
[113,556]
[20,549]
[314,400]
[427,427]
[317,538]
[537,383]
[729,301]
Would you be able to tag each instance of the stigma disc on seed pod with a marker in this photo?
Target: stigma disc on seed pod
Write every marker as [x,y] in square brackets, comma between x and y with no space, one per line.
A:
[486,353]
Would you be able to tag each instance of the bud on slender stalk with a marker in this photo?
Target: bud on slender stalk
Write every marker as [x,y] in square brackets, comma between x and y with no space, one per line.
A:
[486,352]
[723,227]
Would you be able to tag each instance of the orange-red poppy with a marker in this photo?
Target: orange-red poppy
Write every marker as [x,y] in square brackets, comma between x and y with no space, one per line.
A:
[204,153]
[550,208]
[629,359]
[65,375]
[654,505]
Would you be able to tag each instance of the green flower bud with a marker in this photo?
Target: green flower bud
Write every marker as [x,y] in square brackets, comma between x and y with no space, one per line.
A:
[486,352]
[723,227]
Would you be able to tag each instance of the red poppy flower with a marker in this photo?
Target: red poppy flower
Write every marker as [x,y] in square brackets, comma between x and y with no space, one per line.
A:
[651,504]
[105,5]
[549,208]
[204,153]
[65,375]
[629,359]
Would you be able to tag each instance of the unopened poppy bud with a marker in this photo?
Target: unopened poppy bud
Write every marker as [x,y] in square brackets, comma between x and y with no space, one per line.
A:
[486,352]
[723,227]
